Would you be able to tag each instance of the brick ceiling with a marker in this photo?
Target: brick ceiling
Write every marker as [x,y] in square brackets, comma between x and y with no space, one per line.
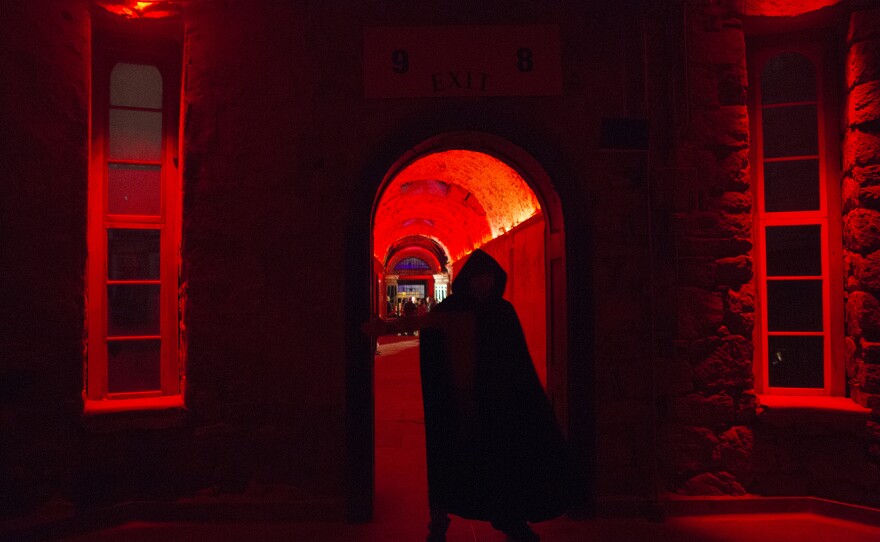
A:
[459,199]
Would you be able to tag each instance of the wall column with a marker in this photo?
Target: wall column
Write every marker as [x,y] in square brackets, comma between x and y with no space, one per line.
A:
[707,387]
[861,221]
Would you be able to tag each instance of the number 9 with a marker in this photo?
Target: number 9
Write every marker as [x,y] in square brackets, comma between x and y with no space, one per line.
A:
[400,59]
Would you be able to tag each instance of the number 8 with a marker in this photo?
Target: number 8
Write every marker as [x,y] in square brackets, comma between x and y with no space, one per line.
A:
[524,59]
[400,59]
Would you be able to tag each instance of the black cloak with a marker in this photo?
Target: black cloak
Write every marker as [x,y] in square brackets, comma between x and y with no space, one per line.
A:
[494,449]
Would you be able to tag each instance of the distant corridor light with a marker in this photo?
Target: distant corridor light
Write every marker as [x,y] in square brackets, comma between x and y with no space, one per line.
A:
[141,10]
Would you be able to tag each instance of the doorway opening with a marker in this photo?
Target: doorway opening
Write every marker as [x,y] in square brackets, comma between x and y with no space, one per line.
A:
[440,201]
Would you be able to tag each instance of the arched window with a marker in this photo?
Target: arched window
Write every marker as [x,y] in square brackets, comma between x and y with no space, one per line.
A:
[796,339]
[412,264]
[133,227]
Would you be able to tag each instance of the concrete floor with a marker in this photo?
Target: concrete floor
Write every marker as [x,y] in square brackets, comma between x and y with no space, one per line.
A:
[401,500]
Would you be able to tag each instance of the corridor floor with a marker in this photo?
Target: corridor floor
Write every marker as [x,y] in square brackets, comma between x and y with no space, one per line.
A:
[401,502]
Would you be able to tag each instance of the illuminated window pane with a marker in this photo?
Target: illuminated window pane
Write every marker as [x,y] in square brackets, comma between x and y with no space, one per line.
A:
[791,131]
[794,251]
[134,190]
[412,264]
[136,85]
[794,305]
[132,254]
[135,135]
[796,362]
[134,365]
[133,310]
[789,77]
[411,290]
[792,185]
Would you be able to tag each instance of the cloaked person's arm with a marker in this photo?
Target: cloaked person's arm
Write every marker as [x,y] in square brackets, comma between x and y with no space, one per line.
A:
[377,326]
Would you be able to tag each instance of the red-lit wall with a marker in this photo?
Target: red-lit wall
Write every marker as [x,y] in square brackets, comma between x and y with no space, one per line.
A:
[283,157]
[521,254]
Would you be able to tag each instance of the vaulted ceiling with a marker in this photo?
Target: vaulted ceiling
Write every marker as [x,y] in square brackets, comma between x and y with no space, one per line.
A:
[455,200]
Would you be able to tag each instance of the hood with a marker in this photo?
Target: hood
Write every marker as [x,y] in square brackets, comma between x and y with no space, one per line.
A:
[478,263]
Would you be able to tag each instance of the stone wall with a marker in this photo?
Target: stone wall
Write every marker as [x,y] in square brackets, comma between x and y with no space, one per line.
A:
[282,157]
[709,404]
[44,103]
[861,220]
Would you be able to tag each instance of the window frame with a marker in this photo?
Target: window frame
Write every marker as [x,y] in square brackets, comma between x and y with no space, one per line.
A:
[827,217]
[110,49]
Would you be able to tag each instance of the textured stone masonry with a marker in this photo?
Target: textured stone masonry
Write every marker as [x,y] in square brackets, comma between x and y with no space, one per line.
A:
[861,222]
[708,451]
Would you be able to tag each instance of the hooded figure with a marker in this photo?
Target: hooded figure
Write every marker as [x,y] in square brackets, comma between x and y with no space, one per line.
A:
[494,450]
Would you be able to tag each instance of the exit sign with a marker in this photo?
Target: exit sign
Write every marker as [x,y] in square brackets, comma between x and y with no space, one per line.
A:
[411,62]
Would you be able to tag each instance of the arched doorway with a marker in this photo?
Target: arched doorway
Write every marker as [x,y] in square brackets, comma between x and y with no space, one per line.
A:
[463,190]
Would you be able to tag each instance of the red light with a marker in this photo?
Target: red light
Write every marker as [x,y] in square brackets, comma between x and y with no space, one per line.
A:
[140,10]
[784,8]
[460,199]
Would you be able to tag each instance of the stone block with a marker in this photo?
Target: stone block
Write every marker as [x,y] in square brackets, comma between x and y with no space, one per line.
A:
[863,104]
[863,316]
[732,84]
[864,24]
[689,448]
[740,323]
[860,148]
[861,231]
[741,300]
[868,378]
[735,271]
[869,198]
[726,126]
[712,484]
[735,450]
[868,400]
[870,350]
[867,272]
[731,171]
[851,359]
[863,62]
[731,202]
[729,366]
[739,307]
[849,194]
[867,175]
[851,263]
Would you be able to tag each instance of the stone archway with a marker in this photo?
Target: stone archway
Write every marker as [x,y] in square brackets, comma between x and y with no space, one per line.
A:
[478,215]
